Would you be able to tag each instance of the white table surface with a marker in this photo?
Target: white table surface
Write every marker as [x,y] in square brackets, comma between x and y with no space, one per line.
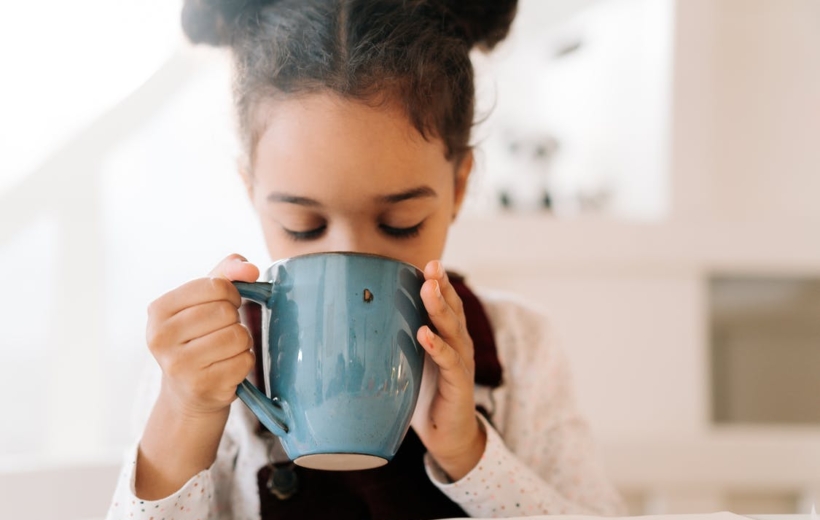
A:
[725,515]
[783,517]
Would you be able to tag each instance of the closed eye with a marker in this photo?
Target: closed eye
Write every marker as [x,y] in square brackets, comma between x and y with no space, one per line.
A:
[408,232]
[311,234]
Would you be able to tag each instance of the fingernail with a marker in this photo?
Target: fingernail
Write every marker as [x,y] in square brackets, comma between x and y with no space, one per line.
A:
[438,289]
[439,269]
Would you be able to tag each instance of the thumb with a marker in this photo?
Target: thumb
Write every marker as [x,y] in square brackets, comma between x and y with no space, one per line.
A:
[235,268]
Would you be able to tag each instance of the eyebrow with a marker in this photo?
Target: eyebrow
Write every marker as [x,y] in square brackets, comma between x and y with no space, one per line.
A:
[413,193]
[292,199]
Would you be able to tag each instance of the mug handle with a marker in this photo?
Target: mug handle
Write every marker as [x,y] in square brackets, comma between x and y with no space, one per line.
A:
[270,413]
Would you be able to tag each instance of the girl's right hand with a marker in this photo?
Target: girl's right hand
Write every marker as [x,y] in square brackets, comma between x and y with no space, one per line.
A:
[195,334]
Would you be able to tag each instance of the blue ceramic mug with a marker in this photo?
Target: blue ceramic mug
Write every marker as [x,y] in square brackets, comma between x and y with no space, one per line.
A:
[342,364]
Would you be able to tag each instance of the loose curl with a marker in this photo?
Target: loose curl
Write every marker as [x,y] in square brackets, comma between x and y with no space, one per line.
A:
[413,53]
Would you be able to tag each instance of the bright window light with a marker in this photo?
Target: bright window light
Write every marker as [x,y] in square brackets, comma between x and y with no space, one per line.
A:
[65,63]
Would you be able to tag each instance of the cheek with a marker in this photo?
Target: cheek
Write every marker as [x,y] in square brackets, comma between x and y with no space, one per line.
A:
[431,244]
[279,246]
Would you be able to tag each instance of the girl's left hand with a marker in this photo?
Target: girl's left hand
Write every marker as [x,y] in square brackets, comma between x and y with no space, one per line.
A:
[445,417]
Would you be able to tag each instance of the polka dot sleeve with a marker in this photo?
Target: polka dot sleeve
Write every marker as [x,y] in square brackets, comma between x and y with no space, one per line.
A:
[500,485]
[539,458]
[192,502]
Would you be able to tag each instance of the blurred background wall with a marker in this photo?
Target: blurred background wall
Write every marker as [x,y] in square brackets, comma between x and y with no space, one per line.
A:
[648,173]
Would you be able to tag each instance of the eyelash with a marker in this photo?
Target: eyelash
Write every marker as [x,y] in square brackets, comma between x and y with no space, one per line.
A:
[399,233]
[300,236]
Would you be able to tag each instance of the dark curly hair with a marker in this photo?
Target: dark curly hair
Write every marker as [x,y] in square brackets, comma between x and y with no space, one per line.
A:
[412,53]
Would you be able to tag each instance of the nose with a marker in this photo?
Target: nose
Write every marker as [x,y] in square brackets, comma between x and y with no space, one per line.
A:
[356,239]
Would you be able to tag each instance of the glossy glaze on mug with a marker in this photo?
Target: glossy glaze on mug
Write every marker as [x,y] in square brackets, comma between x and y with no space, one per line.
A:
[342,364]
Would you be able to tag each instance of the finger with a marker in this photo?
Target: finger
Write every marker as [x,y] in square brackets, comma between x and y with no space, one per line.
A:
[452,370]
[233,370]
[447,323]
[237,268]
[195,292]
[200,320]
[434,270]
[220,380]
[218,346]
[204,290]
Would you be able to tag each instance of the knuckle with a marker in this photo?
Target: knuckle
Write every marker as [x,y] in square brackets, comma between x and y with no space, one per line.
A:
[153,307]
[461,329]
[226,311]
[439,310]
[238,334]
[217,285]
[452,360]
[247,335]
[459,306]
[222,286]
[225,290]
[154,337]
[208,283]
[248,362]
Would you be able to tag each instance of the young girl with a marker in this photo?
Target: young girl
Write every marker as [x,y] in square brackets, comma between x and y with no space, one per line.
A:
[355,116]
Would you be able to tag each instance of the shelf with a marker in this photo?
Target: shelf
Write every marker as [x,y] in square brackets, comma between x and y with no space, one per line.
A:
[528,243]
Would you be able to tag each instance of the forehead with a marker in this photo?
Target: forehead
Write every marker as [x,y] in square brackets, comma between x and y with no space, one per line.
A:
[325,141]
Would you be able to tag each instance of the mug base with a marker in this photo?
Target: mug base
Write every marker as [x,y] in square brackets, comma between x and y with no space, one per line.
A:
[340,461]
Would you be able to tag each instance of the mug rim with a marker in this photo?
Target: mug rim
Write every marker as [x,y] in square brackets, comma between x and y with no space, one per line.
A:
[346,253]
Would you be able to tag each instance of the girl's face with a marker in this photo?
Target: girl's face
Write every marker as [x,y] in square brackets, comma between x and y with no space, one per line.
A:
[337,175]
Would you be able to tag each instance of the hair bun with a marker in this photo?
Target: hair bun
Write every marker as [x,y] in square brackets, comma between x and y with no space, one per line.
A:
[214,21]
[482,23]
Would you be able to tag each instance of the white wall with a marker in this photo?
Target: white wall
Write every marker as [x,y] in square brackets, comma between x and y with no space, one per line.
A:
[747,110]
[630,301]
